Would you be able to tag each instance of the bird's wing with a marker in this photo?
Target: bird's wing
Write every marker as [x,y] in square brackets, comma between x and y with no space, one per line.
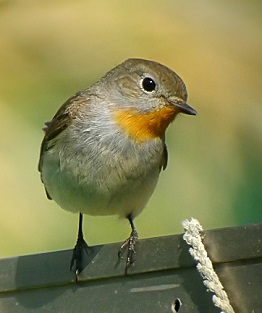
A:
[60,122]
[164,159]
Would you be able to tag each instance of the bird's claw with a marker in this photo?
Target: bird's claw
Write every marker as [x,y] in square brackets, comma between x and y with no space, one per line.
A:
[77,257]
[129,244]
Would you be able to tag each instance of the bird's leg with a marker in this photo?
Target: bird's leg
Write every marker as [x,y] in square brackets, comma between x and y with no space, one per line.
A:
[79,248]
[130,244]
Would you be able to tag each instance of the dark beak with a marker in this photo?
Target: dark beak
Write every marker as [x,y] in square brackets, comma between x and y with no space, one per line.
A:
[185,108]
[182,106]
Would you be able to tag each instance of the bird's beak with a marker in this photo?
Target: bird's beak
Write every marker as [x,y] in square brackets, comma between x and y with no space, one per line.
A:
[185,108]
[182,106]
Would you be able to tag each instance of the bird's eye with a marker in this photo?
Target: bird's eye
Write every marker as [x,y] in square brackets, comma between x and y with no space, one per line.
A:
[148,84]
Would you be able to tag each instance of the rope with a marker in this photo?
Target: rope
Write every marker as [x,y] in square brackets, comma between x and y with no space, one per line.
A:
[204,265]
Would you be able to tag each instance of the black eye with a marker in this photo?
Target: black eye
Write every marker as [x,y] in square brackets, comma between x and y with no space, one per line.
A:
[148,84]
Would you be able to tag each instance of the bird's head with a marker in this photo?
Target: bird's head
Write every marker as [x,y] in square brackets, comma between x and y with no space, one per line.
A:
[146,97]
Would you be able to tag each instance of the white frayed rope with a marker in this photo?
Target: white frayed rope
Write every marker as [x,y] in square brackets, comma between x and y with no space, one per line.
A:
[192,236]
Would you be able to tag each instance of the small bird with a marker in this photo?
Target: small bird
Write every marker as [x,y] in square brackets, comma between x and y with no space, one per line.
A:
[104,149]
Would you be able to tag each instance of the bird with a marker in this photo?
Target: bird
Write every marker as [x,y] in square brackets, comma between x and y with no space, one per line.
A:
[104,149]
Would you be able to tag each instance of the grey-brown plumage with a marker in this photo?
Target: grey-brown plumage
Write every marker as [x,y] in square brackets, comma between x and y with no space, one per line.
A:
[103,150]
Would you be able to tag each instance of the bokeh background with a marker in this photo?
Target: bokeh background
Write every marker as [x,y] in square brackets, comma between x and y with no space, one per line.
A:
[51,49]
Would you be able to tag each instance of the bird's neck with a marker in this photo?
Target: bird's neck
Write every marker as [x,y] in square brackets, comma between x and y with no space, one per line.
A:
[145,126]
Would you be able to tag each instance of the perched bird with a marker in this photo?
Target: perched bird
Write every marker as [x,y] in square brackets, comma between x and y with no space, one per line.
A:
[105,147]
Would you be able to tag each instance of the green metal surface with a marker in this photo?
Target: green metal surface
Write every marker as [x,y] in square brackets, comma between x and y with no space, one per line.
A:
[164,271]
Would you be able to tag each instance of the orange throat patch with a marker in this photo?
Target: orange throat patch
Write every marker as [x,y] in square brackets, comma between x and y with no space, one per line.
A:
[145,126]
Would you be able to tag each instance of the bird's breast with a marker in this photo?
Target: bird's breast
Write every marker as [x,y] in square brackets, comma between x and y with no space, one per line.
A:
[105,174]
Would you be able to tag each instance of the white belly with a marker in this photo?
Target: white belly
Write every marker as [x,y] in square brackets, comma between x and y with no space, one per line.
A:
[105,184]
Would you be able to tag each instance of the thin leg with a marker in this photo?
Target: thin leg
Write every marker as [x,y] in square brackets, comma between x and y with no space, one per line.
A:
[130,244]
[80,246]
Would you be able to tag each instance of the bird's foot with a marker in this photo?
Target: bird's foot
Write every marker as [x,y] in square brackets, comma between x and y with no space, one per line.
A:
[77,257]
[130,244]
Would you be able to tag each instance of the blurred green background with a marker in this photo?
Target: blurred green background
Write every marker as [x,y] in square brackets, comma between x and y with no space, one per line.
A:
[51,49]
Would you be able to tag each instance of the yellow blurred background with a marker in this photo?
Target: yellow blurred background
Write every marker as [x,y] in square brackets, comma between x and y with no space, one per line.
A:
[51,49]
